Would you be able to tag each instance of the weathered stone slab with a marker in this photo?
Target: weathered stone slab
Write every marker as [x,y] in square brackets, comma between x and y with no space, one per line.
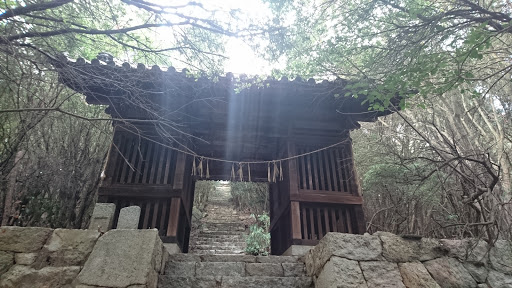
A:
[20,276]
[499,280]
[398,249]
[277,259]
[340,272]
[265,282]
[293,269]
[184,257]
[220,269]
[122,258]
[102,217]
[349,246]
[180,269]
[6,261]
[297,250]
[477,270]
[129,218]
[172,248]
[501,256]
[25,258]
[467,250]
[449,272]
[414,274]
[264,269]
[67,247]
[228,258]
[189,282]
[23,239]
[381,274]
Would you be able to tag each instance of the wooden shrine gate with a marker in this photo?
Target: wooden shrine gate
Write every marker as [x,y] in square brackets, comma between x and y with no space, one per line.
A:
[165,121]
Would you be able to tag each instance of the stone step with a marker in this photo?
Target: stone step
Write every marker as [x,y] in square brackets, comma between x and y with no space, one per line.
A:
[235,282]
[212,232]
[226,242]
[219,247]
[187,257]
[217,252]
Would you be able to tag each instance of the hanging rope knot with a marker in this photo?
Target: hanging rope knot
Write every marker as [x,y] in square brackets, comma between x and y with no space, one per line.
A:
[194,166]
[240,171]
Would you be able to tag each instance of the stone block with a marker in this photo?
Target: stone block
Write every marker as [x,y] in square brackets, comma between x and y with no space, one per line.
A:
[264,269]
[228,258]
[297,250]
[277,259]
[414,274]
[398,249]
[220,269]
[293,269]
[129,218]
[499,280]
[67,247]
[23,239]
[6,261]
[477,270]
[449,272]
[102,217]
[467,250]
[180,269]
[122,258]
[189,282]
[20,276]
[349,246]
[381,274]
[501,256]
[265,282]
[172,248]
[25,258]
[340,272]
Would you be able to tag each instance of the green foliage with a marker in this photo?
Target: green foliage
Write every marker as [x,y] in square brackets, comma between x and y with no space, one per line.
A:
[258,240]
[249,196]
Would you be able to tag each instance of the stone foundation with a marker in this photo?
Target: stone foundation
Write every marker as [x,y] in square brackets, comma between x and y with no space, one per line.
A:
[42,257]
[387,260]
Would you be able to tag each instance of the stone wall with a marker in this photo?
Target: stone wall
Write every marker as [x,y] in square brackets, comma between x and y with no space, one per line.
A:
[41,257]
[387,260]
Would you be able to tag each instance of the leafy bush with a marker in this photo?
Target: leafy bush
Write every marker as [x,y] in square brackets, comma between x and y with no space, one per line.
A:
[258,240]
[249,196]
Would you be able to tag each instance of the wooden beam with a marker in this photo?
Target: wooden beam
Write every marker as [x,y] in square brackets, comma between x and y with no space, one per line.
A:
[326,197]
[139,191]
[179,174]
[174,215]
[295,214]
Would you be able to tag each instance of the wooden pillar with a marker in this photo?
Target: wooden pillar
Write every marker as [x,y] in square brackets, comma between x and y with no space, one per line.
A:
[293,178]
[178,184]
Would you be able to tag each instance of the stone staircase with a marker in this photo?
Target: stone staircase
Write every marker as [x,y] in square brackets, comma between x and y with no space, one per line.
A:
[234,271]
[222,231]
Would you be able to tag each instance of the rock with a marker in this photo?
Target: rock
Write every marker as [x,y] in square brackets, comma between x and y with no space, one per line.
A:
[467,250]
[67,247]
[220,269]
[277,259]
[20,276]
[499,280]
[6,261]
[264,269]
[349,246]
[478,271]
[265,282]
[414,274]
[180,269]
[340,272]
[293,269]
[25,258]
[398,249]
[23,239]
[129,218]
[501,256]
[449,272]
[381,274]
[122,258]
[102,217]
[188,282]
